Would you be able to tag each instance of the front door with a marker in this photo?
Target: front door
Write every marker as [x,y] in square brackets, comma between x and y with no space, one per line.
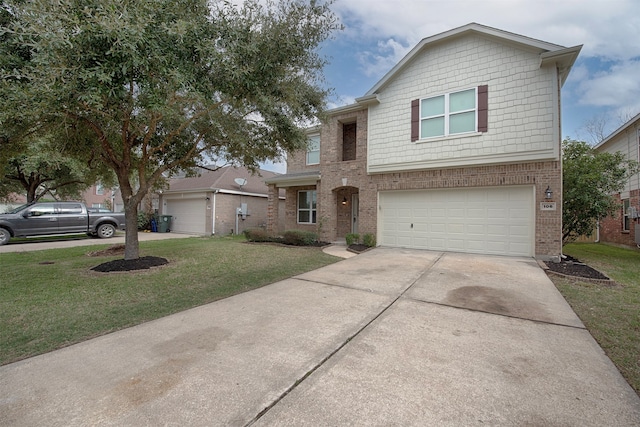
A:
[354,213]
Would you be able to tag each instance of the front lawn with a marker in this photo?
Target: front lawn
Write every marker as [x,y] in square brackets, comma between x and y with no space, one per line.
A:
[612,314]
[50,299]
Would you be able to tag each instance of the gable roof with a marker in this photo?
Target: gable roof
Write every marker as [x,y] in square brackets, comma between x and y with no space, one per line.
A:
[549,53]
[618,131]
[223,180]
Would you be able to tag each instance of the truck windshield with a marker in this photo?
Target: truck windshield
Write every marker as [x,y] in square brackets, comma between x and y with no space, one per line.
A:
[18,209]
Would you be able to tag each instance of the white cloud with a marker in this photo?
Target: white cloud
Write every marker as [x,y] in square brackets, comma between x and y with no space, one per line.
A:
[379,32]
[617,87]
[608,28]
[377,63]
[341,101]
[278,167]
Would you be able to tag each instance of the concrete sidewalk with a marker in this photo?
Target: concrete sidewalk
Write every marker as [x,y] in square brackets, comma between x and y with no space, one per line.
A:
[389,337]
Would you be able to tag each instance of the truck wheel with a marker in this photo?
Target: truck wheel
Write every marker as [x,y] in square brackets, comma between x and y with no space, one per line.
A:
[105,231]
[4,236]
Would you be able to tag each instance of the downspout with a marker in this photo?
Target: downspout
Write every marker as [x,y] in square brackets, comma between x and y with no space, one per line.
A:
[597,231]
[213,213]
[560,157]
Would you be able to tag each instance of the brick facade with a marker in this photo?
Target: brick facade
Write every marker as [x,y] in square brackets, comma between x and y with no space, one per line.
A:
[612,227]
[520,146]
[625,140]
[334,218]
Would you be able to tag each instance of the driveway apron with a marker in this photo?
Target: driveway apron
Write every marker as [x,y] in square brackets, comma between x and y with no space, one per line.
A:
[389,337]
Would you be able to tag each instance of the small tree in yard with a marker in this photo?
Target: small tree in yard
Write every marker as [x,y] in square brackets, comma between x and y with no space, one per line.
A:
[40,169]
[149,87]
[590,179]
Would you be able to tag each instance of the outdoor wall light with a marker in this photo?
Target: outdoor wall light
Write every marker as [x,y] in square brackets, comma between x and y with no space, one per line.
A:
[548,194]
[344,200]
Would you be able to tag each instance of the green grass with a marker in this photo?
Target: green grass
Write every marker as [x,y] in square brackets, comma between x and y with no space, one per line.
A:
[50,299]
[612,314]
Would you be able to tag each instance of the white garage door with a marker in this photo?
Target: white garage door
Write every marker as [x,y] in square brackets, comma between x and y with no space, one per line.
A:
[496,220]
[189,215]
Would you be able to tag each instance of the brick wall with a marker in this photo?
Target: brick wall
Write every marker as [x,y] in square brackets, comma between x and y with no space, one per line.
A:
[334,219]
[539,174]
[226,205]
[291,210]
[611,228]
[90,198]
[297,161]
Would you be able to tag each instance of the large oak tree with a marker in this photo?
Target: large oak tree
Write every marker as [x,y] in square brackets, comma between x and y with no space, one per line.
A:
[147,87]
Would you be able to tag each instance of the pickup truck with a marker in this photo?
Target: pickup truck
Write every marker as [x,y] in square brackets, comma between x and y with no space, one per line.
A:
[40,219]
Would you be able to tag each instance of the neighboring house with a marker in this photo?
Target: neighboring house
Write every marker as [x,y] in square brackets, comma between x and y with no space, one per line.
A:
[226,201]
[452,150]
[14,201]
[95,196]
[98,196]
[624,228]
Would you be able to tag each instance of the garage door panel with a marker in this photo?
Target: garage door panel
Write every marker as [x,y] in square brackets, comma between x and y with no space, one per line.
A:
[455,228]
[436,244]
[476,213]
[518,231]
[189,215]
[476,245]
[497,220]
[475,229]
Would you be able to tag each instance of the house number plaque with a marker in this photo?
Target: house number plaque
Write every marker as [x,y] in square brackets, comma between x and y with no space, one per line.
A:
[548,206]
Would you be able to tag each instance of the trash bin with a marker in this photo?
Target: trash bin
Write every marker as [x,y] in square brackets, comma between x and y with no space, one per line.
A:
[164,225]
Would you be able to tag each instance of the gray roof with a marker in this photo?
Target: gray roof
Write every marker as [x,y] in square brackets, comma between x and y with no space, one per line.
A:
[223,179]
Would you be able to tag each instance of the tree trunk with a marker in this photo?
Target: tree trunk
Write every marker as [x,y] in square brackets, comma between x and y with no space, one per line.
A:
[131,244]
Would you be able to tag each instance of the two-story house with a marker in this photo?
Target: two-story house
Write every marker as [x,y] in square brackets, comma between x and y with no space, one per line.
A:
[457,148]
[624,228]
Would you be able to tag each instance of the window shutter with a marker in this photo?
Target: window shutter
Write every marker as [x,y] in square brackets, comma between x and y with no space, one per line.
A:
[415,120]
[483,108]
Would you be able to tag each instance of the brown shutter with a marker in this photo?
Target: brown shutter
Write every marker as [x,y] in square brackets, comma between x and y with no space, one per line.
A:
[483,108]
[415,120]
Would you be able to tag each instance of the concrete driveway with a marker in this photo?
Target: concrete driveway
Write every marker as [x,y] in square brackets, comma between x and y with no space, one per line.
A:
[389,337]
[39,244]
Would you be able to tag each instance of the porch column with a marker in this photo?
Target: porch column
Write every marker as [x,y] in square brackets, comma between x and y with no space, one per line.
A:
[272,208]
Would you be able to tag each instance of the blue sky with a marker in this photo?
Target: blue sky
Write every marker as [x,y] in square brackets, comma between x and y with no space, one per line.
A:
[604,82]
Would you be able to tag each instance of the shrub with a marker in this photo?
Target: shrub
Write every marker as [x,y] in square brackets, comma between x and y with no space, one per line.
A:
[300,238]
[352,238]
[258,235]
[369,240]
[144,221]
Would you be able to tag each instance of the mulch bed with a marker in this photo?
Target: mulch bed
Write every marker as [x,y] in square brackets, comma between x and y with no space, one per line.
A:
[142,263]
[572,267]
[357,248]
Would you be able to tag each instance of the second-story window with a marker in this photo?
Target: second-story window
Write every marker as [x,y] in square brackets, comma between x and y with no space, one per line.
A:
[99,190]
[313,150]
[349,141]
[448,114]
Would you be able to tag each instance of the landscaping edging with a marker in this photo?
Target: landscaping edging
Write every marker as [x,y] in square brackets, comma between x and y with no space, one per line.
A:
[547,270]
